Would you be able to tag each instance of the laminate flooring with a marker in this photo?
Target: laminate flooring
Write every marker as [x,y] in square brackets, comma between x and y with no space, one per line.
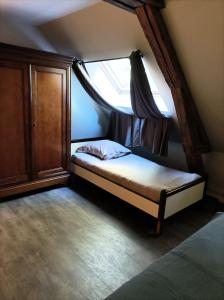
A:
[81,242]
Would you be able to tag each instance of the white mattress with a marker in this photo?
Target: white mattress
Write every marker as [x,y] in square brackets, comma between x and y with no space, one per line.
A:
[138,174]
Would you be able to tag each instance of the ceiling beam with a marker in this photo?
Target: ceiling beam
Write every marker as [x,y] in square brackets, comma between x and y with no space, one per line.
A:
[194,137]
[131,5]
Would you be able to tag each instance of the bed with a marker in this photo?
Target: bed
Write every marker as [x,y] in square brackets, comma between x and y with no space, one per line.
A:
[153,188]
[193,270]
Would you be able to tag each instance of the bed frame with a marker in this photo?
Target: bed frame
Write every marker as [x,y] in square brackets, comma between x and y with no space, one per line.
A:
[169,203]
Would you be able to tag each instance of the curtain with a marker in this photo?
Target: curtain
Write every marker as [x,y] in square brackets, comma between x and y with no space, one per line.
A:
[142,100]
[154,127]
[125,129]
[147,127]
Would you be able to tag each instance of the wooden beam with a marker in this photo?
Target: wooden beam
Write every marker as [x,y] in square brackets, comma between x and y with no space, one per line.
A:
[194,137]
[155,3]
[131,5]
[122,4]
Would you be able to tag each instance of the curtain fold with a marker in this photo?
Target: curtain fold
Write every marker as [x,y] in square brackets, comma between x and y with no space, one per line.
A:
[155,135]
[125,129]
[154,125]
[142,100]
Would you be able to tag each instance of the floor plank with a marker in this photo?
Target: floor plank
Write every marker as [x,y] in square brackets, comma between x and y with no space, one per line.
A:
[81,243]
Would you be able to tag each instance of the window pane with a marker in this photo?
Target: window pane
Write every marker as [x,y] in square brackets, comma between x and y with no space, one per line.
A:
[112,80]
[120,70]
[160,102]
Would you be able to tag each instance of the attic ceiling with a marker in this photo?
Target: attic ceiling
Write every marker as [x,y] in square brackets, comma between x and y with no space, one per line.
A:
[37,12]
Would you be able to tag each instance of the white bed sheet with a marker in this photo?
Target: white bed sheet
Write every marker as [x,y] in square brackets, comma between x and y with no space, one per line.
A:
[135,173]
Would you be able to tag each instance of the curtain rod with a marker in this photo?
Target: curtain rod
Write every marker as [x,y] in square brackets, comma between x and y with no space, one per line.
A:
[105,59]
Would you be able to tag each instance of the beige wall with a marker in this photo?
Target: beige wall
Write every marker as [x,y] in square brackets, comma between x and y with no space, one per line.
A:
[197,30]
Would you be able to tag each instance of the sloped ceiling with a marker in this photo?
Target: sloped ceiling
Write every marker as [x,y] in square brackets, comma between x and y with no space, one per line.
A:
[36,12]
[100,31]
[196,28]
[103,31]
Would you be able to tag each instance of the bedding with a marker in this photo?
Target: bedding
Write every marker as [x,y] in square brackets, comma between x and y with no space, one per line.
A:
[104,149]
[135,173]
[152,188]
[193,270]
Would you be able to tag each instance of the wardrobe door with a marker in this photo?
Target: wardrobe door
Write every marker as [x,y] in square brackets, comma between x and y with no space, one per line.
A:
[49,121]
[14,123]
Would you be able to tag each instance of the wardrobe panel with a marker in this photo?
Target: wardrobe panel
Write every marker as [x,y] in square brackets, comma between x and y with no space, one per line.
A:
[49,121]
[34,119]
[14,123]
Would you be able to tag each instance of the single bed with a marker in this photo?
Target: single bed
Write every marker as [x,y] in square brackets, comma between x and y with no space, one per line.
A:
[153,188]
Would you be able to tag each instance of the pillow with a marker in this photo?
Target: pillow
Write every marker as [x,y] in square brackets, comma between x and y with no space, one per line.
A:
[104,149]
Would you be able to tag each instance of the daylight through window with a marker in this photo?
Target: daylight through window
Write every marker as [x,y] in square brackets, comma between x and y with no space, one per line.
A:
[112,80]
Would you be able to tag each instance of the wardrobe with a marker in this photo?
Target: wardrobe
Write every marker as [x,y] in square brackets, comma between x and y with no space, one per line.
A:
[34,119]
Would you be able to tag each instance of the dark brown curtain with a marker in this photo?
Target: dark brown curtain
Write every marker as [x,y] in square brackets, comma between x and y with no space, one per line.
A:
[124,129]
[154,126]
[142,100]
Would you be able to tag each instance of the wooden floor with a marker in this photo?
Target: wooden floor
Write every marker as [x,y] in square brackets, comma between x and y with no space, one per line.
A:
[81,243]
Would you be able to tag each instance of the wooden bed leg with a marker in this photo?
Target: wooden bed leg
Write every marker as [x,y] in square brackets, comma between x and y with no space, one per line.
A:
[160,221]
[159,228]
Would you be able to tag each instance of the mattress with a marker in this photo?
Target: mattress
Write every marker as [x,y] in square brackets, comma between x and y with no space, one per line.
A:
[135,173]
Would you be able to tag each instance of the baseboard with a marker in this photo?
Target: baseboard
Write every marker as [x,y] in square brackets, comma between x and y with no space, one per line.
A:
[219,197]
[33,185]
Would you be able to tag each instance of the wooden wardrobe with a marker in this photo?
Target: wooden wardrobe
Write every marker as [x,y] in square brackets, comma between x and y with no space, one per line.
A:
[34,119]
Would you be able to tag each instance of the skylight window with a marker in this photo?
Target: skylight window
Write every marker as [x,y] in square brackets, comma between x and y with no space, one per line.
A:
[112,80]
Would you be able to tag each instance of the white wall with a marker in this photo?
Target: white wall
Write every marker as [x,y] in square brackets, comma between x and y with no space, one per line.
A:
[88,120]
[22,34]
